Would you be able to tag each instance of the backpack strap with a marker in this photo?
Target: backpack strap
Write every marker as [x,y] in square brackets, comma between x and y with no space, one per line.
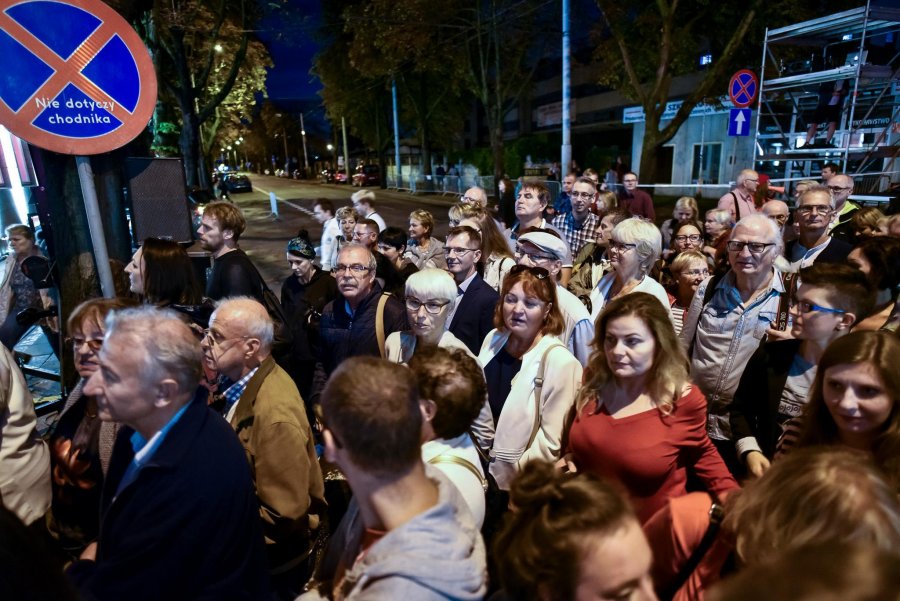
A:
[538,386]
[790,288]
[716,515]
[379,322]
[454,460]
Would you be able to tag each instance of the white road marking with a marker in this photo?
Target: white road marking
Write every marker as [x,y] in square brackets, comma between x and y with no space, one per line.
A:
[287,202]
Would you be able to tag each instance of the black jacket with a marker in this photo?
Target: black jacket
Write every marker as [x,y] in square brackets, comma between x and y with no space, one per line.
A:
[474,317]
[835,252]
[754,409]
[342,335]
[187,527]
[233,274]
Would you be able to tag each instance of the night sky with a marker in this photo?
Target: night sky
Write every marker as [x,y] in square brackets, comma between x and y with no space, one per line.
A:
[292,47]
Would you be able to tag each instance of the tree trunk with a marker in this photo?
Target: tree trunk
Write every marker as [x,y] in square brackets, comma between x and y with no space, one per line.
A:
[190,145]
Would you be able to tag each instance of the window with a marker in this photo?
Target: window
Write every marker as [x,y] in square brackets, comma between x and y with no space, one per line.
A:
[706,163]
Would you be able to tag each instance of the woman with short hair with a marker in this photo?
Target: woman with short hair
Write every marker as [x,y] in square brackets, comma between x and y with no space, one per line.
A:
[688,270]
[392,244]
[17,291]
[346,218]
[531,375]
[423,249]
[718,226]
[634,247]
[431,297]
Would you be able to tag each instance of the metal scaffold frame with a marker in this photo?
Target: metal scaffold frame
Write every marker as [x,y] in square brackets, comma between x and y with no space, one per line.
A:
[785,97]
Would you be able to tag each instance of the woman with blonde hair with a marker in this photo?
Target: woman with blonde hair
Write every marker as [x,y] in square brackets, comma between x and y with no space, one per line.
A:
[635,245]
[638,420]
[495,253]
[424,250]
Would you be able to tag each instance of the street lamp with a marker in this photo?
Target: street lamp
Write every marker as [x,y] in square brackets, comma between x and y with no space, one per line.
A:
[330,148]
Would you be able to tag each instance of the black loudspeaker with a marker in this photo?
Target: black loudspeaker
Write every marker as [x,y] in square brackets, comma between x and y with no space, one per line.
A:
[159,202]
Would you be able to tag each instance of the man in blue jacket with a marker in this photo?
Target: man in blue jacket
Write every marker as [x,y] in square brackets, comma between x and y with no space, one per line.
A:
[179,517]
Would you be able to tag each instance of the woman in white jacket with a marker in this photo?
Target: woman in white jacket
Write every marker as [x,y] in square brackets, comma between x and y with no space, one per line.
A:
[531,376]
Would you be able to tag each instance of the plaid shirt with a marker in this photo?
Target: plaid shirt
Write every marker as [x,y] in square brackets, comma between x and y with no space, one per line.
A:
[233,393]
[577,236]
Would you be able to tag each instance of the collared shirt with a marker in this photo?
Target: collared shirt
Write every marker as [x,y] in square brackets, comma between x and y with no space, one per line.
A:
[461,290]
[577,234]
[233,393]
[745,203]
[331,230]
[145,449]
[725,334]
[803,257]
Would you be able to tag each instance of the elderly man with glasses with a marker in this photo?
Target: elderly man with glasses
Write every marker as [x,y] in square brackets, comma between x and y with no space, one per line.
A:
[728,318]
[814,210]
[579,226]
[844,208]
[351,323]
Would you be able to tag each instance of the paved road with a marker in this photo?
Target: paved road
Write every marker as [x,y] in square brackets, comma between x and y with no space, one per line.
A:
[266,237]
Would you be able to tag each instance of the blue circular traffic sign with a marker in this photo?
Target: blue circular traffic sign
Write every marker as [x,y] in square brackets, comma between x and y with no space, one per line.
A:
[743,88]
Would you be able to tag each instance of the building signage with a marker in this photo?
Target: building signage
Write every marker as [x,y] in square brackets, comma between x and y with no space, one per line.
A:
[635,114]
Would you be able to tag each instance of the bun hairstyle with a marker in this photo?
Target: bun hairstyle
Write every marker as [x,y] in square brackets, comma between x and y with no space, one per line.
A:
[542,539]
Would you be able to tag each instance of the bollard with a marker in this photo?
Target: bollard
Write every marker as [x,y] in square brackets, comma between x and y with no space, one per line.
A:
[273,204]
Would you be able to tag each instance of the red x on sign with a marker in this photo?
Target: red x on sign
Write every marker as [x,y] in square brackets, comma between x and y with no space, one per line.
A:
[78,79]
[743,87]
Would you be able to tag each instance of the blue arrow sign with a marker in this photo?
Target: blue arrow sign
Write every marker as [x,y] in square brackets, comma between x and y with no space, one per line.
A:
[739,122]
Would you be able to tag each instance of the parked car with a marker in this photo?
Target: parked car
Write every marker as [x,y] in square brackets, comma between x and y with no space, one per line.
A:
[367,175]
[326,176]
[237,182]
[340,176]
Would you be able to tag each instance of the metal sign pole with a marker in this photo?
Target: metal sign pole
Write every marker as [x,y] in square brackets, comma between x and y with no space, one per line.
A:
[95,225]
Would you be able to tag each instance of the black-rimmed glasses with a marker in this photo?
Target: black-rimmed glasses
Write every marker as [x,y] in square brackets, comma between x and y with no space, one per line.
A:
[755,248]
[431,306]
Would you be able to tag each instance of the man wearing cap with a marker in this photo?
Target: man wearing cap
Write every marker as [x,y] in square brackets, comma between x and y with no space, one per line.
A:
[473,316]
[579,226]
[542,248]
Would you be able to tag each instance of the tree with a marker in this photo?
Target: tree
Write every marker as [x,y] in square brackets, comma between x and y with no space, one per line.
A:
[200,49]
[502,50]
[658,41]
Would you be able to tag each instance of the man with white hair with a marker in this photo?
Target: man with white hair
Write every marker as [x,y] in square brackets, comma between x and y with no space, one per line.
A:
[263,406]
[178,514]
[542,248]
[740,200]
[728,318]
[814,210]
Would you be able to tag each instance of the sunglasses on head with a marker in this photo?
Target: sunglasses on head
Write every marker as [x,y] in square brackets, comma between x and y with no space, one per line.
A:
[538,272]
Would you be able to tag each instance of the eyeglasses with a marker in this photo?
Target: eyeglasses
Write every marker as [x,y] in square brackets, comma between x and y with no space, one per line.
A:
[839,188]
[696,272]
[533,257]
[807,307]
[432,306]
[621,247]
[93,343]
[808,209]
[756,248]
[584,195]
[355,269]
[685,238]
[779,219]
[459,252]
[216,339]
[538,272]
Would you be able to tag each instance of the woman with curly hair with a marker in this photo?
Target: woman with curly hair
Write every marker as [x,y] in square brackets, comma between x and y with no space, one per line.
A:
[637,418]
[571,537]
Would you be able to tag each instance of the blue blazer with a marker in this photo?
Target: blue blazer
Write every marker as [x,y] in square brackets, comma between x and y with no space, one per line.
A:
[187,527]
[474,316]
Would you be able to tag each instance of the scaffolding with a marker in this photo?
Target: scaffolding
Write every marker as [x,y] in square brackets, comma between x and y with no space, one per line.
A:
[858,48]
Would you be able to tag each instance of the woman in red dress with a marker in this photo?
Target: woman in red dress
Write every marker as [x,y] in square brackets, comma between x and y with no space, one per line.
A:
[638,419]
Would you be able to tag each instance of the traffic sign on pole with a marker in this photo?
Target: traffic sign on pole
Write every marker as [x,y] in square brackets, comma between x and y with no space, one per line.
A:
[77,79]
[739,122]
[743,87]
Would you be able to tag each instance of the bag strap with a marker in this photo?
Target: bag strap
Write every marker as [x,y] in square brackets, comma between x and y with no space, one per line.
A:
[379,322]
[737,209]
[716,515]
[538,385]
[790,287]
[454,460]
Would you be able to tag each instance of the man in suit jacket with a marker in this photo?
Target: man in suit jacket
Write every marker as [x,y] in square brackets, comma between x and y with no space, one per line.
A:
[264,408]
[473,316]
[179,517]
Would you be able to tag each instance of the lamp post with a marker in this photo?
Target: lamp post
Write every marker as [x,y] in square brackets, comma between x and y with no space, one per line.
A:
[330,148]
[305,157]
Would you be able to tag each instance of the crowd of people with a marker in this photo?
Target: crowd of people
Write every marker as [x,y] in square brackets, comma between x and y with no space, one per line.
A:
[568,402]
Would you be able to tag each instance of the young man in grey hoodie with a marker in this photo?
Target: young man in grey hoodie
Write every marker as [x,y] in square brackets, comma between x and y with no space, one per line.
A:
[408,533]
